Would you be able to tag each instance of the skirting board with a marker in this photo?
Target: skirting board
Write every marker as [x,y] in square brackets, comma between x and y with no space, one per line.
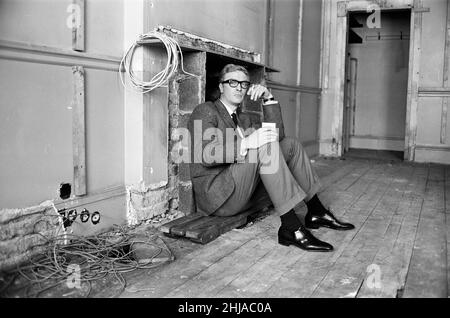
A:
[377,143]
[436,155]
[110,203]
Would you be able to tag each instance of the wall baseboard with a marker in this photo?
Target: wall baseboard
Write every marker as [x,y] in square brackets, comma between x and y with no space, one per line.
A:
[377,143]
[434,154]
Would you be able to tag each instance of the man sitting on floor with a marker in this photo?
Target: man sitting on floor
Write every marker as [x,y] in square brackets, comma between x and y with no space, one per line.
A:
[231,158]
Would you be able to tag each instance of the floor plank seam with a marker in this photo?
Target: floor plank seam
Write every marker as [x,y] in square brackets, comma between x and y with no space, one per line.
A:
[384,234]
[204,293]
[362,193]
[378,176]
[362,175]
[239,275]
[301,254]
[415,238]
[190,258]
[351,240]
[373,209]
[338,177]
[413,197]
[360,286]
[262,234]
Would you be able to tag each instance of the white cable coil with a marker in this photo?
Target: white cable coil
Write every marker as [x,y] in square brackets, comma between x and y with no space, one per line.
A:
[161,78]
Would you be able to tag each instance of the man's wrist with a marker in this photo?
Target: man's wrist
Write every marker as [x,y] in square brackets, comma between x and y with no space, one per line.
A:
[243,150]
[244,144]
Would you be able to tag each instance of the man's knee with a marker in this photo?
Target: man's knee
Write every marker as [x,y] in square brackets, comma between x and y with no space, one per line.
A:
[269,148]
[269,157]
[291,141]
[291,146]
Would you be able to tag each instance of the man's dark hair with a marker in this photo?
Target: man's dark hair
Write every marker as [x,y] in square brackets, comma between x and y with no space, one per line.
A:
[232,68]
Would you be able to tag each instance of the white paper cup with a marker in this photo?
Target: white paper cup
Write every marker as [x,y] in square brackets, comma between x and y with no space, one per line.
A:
[269,125]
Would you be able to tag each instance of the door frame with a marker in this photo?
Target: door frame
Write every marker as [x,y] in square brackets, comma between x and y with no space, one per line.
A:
[343,10]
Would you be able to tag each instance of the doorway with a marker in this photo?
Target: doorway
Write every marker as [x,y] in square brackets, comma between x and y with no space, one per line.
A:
[376,83]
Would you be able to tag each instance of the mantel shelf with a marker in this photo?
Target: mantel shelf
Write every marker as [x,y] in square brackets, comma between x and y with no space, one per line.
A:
[191,48]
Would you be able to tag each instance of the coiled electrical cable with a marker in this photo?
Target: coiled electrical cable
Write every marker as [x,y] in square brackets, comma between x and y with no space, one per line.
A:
[97,257]
[174,58]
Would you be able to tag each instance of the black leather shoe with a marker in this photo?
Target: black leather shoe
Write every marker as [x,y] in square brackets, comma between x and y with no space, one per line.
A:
[327,220]
[303,239]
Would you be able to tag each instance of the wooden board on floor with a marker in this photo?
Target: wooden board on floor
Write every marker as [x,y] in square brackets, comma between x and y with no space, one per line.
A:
[203,229]
[384,203]
[255,280]
[302,278]
[328,170]
[391,263]
[180,272]
[347,273]
[348,170]
[166,228]
[214,278]
[427,275]
[215,226]
[346,190]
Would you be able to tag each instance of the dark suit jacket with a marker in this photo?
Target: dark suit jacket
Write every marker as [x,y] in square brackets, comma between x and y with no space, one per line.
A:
[211,155]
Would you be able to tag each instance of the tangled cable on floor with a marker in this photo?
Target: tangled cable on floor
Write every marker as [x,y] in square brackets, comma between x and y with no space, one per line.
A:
[174,58]
[83,260]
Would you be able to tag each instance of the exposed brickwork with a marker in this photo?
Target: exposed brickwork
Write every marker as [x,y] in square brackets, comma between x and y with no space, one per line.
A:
[25,232]
[145,205]
[184,172]
[190,93]
[185,93]
[186,198]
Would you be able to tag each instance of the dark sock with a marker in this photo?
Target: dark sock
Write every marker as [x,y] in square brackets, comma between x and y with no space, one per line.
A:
[290,221]
[315,207]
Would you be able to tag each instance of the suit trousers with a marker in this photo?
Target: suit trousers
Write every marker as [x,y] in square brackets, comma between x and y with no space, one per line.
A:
[279,171]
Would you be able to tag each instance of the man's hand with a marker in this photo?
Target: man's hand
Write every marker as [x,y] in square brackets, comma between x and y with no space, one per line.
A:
[258,91]
[260,137]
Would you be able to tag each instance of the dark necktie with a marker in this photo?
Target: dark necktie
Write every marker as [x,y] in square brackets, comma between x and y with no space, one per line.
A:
[233,115]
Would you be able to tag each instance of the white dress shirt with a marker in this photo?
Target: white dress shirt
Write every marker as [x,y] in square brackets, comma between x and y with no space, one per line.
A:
[232,109]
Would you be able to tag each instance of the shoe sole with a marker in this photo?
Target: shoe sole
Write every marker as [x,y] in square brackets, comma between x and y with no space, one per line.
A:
[287,243]
[328,227]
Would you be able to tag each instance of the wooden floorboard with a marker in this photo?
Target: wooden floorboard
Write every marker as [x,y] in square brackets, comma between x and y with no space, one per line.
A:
[387,276]
[307,273]
[340,195]
[332,171]
[174,275]
[210,281]
[399,246]
[266,278]
[427,275]
[346,275]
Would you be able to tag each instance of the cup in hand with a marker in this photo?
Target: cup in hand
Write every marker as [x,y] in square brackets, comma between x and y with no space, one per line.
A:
[269,125]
